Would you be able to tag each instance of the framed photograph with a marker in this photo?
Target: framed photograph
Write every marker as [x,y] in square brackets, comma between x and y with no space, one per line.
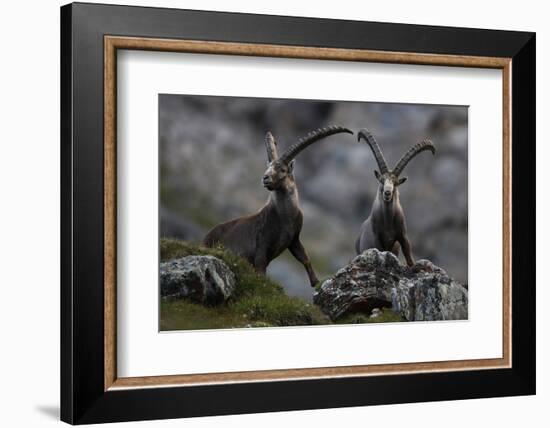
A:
[267,213]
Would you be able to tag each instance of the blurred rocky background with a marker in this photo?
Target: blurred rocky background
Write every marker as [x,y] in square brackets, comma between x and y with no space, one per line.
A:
[212,158]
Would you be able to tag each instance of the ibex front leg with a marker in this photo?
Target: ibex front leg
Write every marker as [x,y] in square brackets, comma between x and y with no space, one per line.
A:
[406,247]
[299,252]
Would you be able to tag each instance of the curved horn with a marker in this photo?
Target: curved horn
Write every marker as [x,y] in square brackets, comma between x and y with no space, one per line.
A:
[378,156]
[411,153]
[270,147]
[309,139]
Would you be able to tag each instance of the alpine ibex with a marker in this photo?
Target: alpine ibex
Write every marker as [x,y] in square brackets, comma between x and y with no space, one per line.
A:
[385,228]
[261,237]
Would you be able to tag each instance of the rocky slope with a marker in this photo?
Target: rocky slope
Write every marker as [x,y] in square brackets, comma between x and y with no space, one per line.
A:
[374,279]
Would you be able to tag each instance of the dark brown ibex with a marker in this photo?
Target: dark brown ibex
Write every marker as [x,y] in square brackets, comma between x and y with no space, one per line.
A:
[385,228]
[261,237]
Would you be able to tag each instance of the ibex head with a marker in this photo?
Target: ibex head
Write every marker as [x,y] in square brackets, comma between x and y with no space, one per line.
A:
[279,172]
[389,179]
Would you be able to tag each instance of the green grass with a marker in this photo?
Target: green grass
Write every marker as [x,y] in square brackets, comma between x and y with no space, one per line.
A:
[280,311]
[256,302]
[184,315]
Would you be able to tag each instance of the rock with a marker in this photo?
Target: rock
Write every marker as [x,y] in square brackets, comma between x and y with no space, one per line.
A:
[202,279]
[374,279]
[376,312]
[259,324]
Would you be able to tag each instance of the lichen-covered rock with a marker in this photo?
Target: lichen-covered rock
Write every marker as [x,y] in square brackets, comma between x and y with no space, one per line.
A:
[374,279]
[202,279]
[376,312]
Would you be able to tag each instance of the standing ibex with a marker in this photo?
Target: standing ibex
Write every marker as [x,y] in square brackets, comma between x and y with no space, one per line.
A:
[261,237]
[385,228]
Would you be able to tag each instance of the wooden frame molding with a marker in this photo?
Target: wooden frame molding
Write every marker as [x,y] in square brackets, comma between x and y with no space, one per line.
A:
[113,43]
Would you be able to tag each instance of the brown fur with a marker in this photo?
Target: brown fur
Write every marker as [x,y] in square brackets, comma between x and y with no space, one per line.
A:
[261,237]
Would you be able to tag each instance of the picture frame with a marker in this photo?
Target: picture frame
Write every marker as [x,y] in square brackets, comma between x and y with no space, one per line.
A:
[91,391]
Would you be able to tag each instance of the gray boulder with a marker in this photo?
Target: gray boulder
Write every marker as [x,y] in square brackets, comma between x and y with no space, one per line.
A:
[202,279]
[374,279]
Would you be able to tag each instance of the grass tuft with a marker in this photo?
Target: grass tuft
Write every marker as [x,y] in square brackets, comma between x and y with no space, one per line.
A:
[281,311]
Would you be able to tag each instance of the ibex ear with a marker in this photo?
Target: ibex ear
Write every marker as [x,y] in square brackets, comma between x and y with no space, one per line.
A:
[271,147]
[291,166]
[401,181]
[377,175]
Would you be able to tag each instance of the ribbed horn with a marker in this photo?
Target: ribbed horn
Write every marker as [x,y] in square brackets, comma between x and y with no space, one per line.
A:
[411,153]
[309,139]
[378,156]
[270,147]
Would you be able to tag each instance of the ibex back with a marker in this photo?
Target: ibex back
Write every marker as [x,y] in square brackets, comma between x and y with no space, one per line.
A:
[385,228]
[261,237]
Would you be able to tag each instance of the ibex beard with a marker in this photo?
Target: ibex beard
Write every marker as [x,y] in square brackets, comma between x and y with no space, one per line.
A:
[261,237]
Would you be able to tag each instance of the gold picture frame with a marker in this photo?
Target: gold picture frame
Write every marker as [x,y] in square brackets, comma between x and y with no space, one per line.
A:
[114,43]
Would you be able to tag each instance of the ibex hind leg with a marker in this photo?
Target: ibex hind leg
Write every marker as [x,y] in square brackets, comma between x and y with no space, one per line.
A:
[260,264]
[214,237]
[395,249]
[208,241]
